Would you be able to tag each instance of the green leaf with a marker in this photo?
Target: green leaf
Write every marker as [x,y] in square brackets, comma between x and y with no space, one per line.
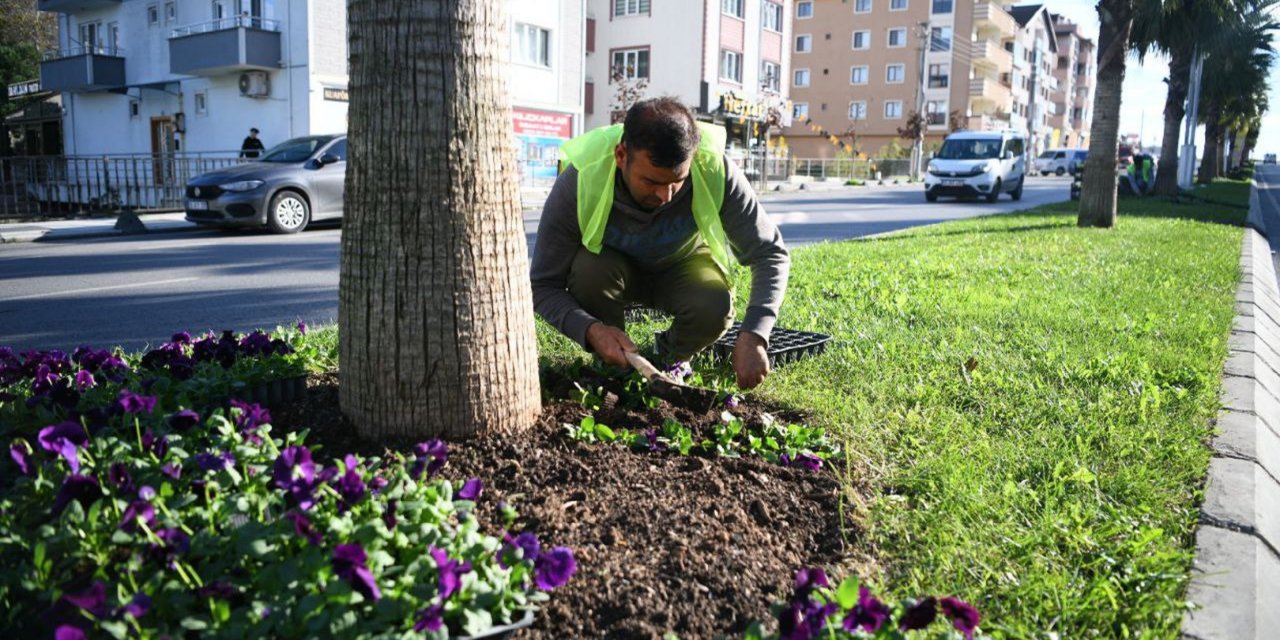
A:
[476,621]
[194,624]
[847,593]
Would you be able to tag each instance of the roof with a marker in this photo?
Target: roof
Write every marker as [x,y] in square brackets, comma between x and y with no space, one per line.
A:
[1024,13]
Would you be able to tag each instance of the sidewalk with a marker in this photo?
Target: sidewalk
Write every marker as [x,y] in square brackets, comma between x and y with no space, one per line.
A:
[111,226]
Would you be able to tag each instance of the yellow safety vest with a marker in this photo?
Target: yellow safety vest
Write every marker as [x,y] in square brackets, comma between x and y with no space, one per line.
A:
[592,155]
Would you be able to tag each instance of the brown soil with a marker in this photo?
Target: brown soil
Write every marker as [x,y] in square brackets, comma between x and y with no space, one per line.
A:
[692,545]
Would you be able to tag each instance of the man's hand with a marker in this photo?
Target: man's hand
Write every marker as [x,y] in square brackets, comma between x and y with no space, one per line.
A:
[610,343]
[750,362]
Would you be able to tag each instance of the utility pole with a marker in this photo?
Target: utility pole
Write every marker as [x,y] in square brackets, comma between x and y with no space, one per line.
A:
[917,146]
[1187,159]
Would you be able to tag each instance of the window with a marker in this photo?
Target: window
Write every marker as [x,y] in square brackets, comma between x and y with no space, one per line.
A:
[894,73]
[170,12]
[532,45]
[219,9]
[338,149]
[858,110]
[630,7]
[893,109]
[771,16]
[942,6]
[858,75]
[861,39]
[89,37]
[631,63]
[771,76]
[799,110]
[730,65]
[898,37]
[940,39]
[133,108]
[113,38]
[897,5]
[939,76]
[800,78]
[733,8]
[804,9]
[862,6]
[935,113]
[804,43]
[201,103]
[153,15]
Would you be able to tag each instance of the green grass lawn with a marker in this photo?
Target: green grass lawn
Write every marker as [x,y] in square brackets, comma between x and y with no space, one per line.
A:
[1055,485]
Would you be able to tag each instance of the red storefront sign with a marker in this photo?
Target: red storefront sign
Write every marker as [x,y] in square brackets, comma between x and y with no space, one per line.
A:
[542,124]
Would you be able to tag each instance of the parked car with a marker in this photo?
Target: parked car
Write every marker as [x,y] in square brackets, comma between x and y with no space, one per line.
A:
[1269,158]
[290,185]
[1060,161]
[978,163]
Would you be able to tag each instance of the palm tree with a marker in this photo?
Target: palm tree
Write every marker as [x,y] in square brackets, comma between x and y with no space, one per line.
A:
[1098,189]
[436,332]
[1233,78]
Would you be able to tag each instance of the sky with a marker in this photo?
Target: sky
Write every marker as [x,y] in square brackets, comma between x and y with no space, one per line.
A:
[1142,103]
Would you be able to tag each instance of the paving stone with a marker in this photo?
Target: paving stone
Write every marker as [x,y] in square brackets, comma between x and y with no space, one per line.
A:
[1235,585]
[1250,365]
[1240,494]
[1241,435]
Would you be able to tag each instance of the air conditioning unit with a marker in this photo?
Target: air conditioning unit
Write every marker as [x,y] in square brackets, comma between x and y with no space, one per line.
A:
[255,84]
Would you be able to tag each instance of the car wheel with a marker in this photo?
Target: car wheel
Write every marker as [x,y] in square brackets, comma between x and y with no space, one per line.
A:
[1016,194]
[995,191]
[929,197]
[289,212]
[1059,171]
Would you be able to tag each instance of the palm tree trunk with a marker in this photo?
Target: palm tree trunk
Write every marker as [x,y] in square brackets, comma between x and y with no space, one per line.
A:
[1098,189]
[436,333]
[1212,157]
[1174,112]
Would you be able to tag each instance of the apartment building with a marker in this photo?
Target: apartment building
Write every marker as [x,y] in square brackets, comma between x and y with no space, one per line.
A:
[1073,100]
[1034,47]
[166,76]
[862,67]
[728,60]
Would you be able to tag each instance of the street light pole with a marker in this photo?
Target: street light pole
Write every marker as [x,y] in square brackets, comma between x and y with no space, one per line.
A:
[917,145]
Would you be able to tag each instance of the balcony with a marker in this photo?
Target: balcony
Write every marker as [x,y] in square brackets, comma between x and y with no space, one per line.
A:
[988,122]
[81,69]
[991,57]
[986,95]
[220,47]
[990,19]
[75,6]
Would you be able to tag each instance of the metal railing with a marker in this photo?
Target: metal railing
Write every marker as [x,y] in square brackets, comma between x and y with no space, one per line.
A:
[222,24]
[849,169]
[82,50]
[35,186]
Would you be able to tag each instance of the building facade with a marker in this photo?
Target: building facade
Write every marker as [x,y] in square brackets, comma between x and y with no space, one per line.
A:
[1073,100]
[863,67]
[1035,59]
[165,77]
[729,61]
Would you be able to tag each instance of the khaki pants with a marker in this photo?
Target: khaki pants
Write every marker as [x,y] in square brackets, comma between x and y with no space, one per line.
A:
[693,291]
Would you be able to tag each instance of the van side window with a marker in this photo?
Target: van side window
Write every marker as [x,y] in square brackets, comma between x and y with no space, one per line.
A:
[1015,145]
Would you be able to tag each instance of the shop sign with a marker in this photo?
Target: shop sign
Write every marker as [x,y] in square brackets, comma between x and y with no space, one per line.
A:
[19,89]
[336,94]
[542,124]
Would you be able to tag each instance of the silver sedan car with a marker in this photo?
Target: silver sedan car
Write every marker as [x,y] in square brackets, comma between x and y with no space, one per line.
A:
[293,183]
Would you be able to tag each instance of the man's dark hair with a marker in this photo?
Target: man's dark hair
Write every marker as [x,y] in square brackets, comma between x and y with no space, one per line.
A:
[663,127]
[252,130]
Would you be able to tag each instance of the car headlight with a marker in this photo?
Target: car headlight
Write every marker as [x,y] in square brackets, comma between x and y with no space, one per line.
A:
[932,167]
[243,185]
[986,168]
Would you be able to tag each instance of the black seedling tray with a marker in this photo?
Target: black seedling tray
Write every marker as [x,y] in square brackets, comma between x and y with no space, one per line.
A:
[636,312]
[785,345]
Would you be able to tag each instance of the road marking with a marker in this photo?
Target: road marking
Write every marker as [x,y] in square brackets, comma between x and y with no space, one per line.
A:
[95,289]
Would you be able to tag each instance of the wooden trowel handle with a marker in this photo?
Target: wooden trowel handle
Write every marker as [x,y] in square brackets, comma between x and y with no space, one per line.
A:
[643,366]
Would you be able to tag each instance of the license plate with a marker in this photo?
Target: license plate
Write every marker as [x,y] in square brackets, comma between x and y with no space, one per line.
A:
[952,183]
[198,205]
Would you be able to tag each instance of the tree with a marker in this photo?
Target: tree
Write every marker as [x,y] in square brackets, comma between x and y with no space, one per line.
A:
[436,333]
[24,33]
[628,89]
[1098,189]
[1235,82]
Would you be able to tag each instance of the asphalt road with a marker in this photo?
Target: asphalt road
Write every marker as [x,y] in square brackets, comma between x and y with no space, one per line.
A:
[137,290]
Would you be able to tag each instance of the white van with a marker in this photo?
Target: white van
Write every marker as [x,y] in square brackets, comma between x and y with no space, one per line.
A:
[1060,161]
[978,163]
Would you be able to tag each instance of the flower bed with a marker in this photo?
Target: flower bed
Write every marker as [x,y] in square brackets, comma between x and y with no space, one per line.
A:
[127,511]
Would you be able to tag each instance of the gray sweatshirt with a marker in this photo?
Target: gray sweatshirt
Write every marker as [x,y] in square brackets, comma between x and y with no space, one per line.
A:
[654,240]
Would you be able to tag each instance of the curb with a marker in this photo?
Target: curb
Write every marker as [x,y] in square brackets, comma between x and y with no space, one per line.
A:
[13,233]
[1235,578]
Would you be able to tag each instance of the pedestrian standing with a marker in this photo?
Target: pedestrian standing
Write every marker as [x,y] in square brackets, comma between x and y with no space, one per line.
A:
[252,146]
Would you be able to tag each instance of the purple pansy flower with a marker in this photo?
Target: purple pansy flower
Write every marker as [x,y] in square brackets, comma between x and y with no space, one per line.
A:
[731,402]
[378,483]
[139,606]
[130,402]
[146,492]
[302,327]
[173,470]
[350,486]
[20,452]
[869,614]
[68,632]
[181,337]
[527,543]
[808,461]
[471,489]
[450,570]
[389,516]
[920,615]
[173,542]
[554,568]
[120,478]
[808,579]
[430,457]
[183,420]
[654,444]
[302,527]
[295,473]
[63,439]
[215,462]
[82,489]
[964,617]
[429,619]
[155,444]
[138,509]
[93,599]
[221,589]
[678,371]
[84,380]
[349,564]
